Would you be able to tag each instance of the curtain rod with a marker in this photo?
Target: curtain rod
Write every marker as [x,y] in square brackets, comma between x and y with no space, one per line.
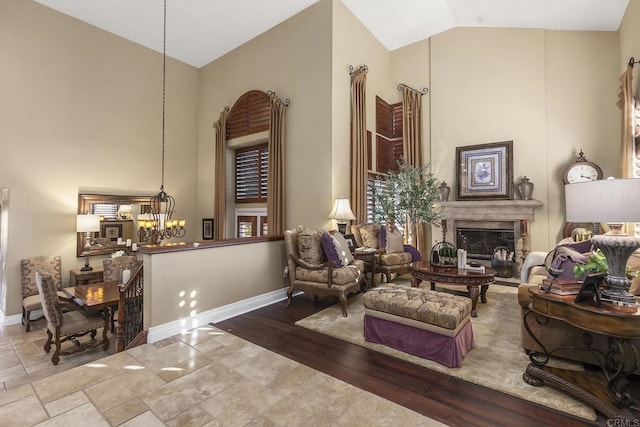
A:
[360,68]
[286,102]
[422,92]
[632,61]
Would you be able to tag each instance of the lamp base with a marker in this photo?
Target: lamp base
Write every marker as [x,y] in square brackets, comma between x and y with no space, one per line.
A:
[619,297]
[617,248]
[86,267]
[342,227]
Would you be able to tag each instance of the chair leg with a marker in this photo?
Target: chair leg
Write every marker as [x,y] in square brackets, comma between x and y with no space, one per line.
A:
[47,345]
[26,319]
[56,355]
[289,296]
[343,304]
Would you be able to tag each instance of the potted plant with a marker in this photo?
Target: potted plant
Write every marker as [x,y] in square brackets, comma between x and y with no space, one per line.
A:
[408,195]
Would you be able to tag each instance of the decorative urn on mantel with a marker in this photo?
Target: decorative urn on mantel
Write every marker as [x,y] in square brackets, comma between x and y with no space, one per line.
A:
[525,188]
[443,192]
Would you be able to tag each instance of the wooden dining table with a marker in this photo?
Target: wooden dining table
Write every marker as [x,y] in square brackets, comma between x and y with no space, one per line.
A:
[96,296]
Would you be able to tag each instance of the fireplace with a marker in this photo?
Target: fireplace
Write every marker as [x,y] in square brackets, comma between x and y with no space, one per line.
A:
[481,242]
[487,224]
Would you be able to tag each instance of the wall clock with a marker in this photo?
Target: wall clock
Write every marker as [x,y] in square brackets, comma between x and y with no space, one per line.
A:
[582,170]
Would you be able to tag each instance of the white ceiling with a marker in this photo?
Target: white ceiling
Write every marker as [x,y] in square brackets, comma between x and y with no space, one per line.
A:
[199,31]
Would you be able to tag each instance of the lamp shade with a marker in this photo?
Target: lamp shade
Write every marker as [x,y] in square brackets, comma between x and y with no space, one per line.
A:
[124,209]
[87,223]
[607,200]
[341,210]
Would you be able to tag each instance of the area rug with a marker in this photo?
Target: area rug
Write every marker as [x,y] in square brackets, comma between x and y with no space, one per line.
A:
[497,361]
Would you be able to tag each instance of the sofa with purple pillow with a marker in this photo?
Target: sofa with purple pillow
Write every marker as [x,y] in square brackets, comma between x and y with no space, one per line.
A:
[321,264]
[392,255]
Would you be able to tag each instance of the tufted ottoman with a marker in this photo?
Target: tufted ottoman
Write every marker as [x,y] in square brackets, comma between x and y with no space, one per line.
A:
[429,324]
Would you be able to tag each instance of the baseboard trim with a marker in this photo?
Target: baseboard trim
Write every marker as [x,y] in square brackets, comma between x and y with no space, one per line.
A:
[166,330]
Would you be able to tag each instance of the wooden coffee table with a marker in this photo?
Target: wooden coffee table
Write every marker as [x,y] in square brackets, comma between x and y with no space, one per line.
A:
[476,282]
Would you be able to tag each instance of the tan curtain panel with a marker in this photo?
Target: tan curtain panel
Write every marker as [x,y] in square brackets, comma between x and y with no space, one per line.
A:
[625,102]
[413,156]
[220,184]
[276,162]
[412,126]
[358,197]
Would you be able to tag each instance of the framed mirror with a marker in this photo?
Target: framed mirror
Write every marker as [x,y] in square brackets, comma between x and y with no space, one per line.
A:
[117,224]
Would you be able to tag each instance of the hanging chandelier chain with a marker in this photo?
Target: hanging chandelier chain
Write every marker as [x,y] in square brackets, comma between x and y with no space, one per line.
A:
[164,74]
[161,225]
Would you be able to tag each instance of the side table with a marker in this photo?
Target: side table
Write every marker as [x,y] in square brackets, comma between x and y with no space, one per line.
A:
[79,277]
[368,258]
[606,391]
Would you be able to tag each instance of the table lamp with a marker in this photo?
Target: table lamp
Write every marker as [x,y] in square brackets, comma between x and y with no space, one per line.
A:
[342,213]
[87,224]
[614,202]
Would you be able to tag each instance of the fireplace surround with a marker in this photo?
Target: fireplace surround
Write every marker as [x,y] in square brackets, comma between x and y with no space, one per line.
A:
[509,217]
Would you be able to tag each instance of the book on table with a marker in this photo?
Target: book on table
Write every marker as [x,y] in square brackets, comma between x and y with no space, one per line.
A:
[561,286]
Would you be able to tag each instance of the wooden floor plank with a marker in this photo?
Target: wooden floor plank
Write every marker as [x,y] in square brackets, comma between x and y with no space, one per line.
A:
[447,399]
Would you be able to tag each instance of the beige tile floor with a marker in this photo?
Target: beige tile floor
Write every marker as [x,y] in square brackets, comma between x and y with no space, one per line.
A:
[205,377]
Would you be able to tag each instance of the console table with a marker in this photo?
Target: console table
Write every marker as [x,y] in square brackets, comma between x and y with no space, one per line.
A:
[606,390]
[79,277]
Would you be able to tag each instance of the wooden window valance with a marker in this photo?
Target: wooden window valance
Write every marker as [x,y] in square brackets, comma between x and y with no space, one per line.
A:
[250,114]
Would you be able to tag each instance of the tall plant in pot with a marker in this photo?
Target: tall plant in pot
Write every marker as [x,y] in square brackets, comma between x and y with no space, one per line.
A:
[407,196]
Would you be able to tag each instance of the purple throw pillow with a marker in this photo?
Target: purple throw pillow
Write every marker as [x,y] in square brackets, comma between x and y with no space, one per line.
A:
[330,249]
[415,254]
[382,237]
[583,247]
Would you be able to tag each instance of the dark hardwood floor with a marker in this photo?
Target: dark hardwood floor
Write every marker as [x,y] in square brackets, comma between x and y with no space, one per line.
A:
[447,399]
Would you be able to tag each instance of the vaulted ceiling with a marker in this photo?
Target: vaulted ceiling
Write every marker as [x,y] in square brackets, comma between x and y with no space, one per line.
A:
[199,31]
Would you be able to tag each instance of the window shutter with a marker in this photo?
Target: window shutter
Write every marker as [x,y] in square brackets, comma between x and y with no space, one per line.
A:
[251,174]
[105,210]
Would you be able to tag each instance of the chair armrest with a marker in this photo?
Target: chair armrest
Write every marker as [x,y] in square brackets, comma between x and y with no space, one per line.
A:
[329,265]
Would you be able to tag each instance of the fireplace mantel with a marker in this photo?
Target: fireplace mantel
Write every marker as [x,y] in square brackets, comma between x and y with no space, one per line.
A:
[488,214]
[488,210]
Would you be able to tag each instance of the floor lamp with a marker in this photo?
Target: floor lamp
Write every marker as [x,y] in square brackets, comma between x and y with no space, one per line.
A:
[87,224]
[615,202]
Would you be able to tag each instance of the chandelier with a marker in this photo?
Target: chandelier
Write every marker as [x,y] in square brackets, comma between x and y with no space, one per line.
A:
[160,224]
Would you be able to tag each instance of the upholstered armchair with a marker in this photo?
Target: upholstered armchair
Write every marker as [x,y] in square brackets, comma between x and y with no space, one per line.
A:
[387,262]
[321,264]
[30,300]
[68,325]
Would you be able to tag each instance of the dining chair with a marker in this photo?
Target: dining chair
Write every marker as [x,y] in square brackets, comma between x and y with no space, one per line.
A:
[68,325]
[30,300]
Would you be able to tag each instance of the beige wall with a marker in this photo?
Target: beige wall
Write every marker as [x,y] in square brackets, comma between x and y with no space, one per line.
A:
[209,278]
[550,92]
[82,110]
[294,60]
[629,40]
[353,45]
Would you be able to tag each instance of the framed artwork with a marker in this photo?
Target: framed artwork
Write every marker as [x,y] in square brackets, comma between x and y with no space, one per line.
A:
[111,231]
[485,171]
[351,241]
[207,228]
[589,290]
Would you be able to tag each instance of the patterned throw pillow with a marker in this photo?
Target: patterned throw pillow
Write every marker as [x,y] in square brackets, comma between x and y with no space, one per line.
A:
[394,242]
[336,249]
[369,235]
[310,246]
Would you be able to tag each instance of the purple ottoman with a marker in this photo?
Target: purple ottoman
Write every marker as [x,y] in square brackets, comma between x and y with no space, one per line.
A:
[429,324]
